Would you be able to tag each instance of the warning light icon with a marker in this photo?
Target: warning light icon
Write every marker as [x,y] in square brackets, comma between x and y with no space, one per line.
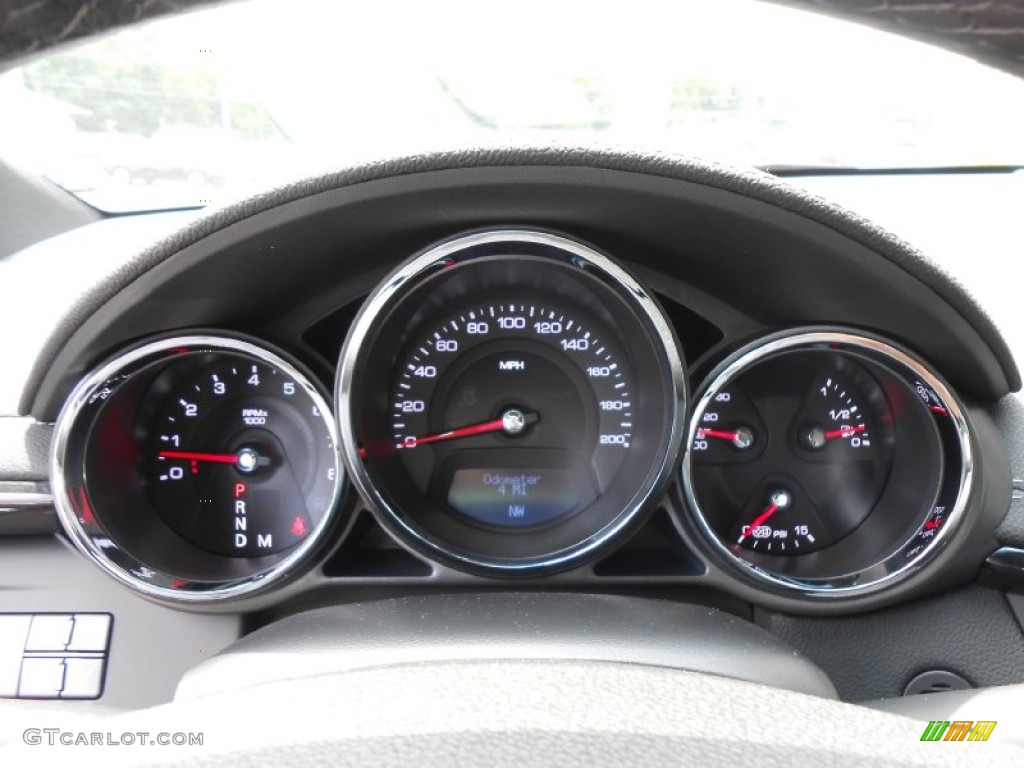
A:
[299,527]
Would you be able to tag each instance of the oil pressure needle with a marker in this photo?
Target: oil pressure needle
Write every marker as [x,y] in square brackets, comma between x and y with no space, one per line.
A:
[779,500]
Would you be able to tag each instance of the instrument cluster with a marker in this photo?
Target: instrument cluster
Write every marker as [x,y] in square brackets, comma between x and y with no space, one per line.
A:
[513,404]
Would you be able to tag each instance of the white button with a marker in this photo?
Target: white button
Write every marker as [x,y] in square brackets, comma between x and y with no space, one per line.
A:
[13,633]
[41,678]
[83,678]
[49,632]
[91,632]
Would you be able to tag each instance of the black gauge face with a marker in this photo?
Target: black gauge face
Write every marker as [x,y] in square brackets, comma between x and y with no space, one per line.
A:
[240,458]
[511,402]
[826,462]
[197,468]
[513,414]
[792,455]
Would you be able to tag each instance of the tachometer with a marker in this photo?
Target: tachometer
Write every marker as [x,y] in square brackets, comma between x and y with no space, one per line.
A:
[197,468]
[510,402]
[240,462]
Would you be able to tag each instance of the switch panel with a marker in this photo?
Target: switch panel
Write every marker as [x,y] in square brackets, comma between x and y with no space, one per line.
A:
[53,655]
[49,632]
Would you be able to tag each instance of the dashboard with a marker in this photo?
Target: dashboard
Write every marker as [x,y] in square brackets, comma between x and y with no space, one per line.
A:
[528,371]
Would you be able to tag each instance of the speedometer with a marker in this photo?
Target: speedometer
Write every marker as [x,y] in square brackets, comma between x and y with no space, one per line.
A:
[489,388]
[510,402]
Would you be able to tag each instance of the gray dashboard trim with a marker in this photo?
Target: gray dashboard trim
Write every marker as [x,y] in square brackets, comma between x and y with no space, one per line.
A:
[24,449]
[512,625]
[971,632]
[26,504]
[753,185]
[26,508]
[1009,417]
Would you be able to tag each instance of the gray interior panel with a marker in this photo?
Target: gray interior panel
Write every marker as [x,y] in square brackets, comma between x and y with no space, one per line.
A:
[35,208]
[507,626]
[24,449]
[516,713]
[151,646]
[969,631]
[1002,703]
[1009,416]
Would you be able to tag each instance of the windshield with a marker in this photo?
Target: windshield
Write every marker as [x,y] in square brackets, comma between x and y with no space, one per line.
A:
[200,108]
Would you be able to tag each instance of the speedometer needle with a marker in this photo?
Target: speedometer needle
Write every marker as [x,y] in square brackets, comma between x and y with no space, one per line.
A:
[512,422]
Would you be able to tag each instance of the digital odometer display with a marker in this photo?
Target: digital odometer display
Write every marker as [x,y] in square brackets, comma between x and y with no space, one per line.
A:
[512,379]
[514,496]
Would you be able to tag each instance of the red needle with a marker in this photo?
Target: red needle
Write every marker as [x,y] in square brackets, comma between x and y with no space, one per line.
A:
[222,458]
[701,433]
[845,432]
[757,521]
[476,429]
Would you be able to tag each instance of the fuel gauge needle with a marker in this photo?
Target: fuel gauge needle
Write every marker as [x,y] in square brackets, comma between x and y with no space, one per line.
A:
[845,432]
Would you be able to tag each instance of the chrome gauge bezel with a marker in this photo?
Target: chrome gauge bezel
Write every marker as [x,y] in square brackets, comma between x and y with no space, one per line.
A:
[469,250]
[114,557]
[898,561]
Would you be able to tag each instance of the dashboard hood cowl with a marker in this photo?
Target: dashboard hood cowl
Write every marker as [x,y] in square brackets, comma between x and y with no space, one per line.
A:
[62,354]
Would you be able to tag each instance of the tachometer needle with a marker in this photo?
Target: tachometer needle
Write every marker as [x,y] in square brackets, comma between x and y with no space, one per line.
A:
[220,458]
[512,422]
[246,460]
[845,431]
